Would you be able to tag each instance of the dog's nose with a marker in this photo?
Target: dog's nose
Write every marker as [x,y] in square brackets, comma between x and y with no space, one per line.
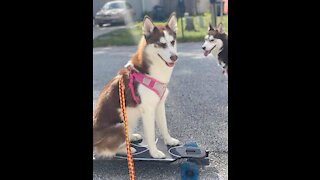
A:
[173,57]
[204,48]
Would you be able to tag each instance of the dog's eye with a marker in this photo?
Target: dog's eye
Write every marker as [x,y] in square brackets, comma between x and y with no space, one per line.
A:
[163,45]
[172,43]
[211,40]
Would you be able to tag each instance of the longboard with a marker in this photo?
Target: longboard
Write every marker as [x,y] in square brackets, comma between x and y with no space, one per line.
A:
[173,153]
[193,155]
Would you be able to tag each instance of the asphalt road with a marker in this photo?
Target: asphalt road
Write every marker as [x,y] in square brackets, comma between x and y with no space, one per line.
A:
[197,110]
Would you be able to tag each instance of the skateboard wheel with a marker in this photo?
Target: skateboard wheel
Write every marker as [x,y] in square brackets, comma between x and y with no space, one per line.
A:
[189,171]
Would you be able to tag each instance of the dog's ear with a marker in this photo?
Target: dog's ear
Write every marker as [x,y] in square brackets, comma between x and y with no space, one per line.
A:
[220,28]
[172,22]
[210,28]
[148,26]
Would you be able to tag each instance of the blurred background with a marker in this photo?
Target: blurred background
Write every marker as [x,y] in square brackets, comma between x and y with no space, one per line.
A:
[119,22]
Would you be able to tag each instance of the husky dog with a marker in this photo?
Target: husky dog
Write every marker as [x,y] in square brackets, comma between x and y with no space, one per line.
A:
[145,77]
[216,42]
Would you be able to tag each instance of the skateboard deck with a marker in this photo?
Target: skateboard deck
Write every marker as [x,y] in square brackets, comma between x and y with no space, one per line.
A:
[172,153]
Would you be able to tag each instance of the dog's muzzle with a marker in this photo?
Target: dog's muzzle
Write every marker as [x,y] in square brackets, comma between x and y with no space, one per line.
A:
[207,52]
[173,58]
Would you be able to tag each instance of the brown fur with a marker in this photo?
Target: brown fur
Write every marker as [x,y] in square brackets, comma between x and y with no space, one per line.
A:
[107,132]
[138,59]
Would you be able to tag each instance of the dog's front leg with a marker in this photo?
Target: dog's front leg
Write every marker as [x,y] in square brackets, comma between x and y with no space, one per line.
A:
[162,125]
[148,119]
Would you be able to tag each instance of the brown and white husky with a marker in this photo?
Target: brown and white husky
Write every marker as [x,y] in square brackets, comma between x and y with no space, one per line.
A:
[145,78]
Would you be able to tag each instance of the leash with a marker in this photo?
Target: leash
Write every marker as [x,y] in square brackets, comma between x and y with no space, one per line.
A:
[124,115]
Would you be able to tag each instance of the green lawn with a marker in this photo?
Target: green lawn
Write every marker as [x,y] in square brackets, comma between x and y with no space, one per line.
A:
[131,36]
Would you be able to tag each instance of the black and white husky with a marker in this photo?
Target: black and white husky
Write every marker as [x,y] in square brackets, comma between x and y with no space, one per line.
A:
[145,76]
[216,42]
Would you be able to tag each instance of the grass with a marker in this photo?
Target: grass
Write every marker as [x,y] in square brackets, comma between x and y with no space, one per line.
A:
[131,36]
[121,37]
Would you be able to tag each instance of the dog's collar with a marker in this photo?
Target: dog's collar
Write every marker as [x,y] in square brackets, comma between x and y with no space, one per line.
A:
[153,84]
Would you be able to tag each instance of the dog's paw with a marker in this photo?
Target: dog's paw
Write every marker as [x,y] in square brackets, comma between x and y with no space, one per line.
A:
[157,154]
[135,137]
[133,150]
[123,151]
[172,141]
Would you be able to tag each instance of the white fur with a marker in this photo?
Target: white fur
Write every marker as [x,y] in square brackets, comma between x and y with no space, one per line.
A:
[135,137]
[218,47]
[123,149]
[216,43]
[162,40]
[168,37]
[152,109]
[161,122]
[170,50]
[158,69]
[133,116]
[149,102]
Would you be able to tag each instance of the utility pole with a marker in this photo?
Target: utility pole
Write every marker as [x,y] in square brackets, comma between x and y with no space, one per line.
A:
[221,11]
[213,13]
[180,13]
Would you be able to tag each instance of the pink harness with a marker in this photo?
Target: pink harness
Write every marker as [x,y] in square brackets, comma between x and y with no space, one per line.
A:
[154,85]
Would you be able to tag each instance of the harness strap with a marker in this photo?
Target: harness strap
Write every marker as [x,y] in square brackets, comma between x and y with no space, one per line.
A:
[153,84]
